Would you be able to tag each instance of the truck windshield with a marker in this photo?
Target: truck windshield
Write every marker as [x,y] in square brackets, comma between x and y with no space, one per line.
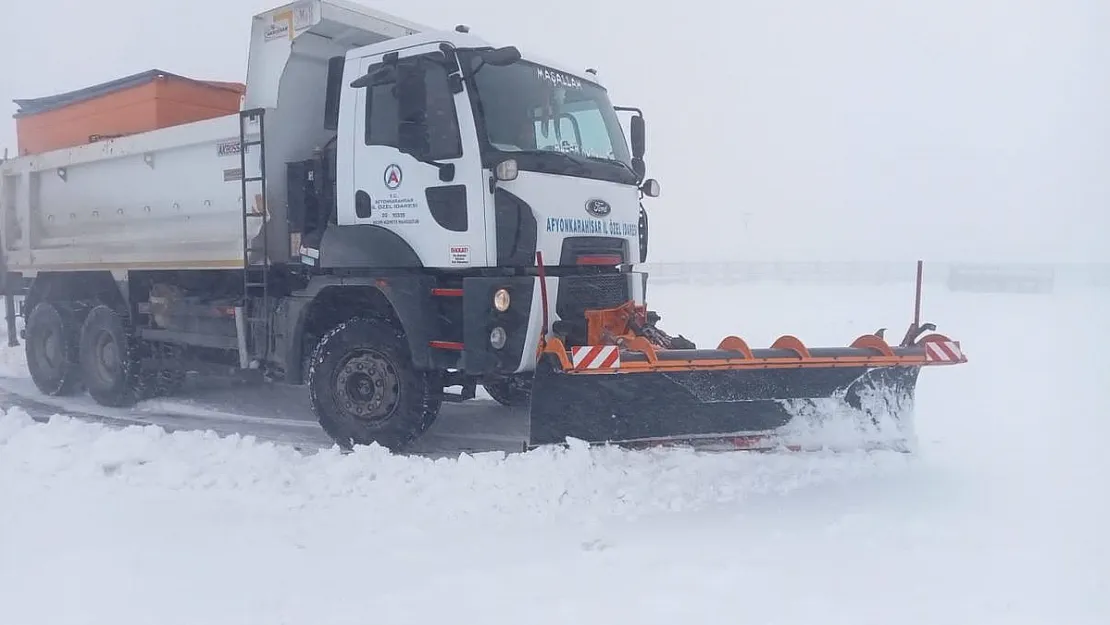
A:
[549,121]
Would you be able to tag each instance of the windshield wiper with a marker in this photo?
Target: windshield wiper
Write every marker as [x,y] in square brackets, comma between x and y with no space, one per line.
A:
[580,163]
[583,160]
[603,159]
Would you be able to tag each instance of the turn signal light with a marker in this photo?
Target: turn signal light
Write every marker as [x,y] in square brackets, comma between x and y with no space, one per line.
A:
[599,259]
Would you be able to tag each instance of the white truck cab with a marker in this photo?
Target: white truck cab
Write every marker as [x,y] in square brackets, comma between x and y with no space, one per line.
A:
[443,140]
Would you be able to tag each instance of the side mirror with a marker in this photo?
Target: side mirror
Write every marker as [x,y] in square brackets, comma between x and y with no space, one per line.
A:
[412,98]
[376,77]
[333,88]
[638,137]
[650,187]
[498,57]
[501,56]
[639,168]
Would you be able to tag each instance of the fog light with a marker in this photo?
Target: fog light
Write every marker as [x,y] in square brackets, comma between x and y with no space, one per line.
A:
[497,337]
[501,300]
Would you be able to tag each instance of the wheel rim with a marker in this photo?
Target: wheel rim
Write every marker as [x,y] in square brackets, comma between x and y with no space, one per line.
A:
[106,357]
[48,350]
[367,386]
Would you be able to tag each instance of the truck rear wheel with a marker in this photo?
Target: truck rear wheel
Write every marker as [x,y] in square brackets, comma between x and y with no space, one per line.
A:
[108,365]
[51,349]
[364,388]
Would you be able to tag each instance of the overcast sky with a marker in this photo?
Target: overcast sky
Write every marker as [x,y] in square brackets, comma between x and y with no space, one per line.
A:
[857,129]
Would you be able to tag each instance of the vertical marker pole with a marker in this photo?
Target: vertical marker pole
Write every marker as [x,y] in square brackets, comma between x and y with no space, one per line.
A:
[543,296]
[917,298]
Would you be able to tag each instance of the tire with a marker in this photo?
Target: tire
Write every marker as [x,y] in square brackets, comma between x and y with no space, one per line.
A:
[107,355]
[364,388]
[510,391]
[51,349]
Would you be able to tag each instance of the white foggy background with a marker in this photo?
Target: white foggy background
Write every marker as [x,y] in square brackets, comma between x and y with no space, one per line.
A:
[950,130]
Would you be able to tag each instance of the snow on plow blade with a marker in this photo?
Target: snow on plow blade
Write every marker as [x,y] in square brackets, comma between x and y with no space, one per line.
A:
[733,396]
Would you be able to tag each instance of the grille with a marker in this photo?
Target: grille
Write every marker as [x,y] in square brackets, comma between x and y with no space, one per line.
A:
[578,293]
[573,247]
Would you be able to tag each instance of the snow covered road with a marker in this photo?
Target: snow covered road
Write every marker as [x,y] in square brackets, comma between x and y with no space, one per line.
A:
[1000,517]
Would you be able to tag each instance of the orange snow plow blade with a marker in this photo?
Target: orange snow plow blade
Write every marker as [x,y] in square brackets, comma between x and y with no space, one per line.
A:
[633,385]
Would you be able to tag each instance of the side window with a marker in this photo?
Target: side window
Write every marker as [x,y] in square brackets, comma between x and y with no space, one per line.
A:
[442,119]
[383,114]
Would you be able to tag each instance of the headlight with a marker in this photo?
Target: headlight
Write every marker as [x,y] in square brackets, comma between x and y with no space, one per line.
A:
[497,337]
[501,300]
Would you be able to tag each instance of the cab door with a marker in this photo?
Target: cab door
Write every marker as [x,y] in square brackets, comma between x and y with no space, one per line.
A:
[416,167]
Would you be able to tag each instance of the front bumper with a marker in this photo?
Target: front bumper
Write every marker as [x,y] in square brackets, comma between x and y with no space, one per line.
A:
[568,297]
[480,318]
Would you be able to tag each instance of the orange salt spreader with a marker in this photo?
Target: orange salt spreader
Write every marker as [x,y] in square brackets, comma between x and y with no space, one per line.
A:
[142,102]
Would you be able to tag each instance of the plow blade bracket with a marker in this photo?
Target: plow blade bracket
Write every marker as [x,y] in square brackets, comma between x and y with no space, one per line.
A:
[637,395]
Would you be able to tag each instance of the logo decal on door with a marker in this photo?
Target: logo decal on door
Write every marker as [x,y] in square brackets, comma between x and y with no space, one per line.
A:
[392,176]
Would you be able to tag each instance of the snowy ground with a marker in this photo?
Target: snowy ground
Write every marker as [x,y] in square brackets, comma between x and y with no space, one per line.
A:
[1000,517]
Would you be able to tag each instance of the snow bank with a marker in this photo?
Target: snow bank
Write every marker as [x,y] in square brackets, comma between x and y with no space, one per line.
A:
[126,523]
[124,526]
[1000,516]
[490,487]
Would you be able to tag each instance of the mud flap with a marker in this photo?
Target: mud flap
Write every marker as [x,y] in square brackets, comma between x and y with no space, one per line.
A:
[709,405]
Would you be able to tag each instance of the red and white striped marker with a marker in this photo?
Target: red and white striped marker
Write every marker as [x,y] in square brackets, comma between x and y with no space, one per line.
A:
[943,351]
[596,357]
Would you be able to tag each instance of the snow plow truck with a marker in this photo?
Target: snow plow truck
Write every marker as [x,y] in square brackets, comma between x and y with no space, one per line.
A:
[381,213]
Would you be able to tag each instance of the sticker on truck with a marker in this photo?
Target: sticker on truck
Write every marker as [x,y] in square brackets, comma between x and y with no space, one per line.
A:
[460,254]
[289,23]
[227,147]
[572,225]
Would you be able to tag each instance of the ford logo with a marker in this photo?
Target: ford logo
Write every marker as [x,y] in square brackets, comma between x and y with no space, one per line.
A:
[598,207]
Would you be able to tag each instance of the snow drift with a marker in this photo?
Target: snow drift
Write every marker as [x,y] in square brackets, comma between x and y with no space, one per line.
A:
[999,517]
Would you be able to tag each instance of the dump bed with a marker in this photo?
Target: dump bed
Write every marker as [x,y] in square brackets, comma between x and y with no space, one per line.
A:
[171,198]
[166,198]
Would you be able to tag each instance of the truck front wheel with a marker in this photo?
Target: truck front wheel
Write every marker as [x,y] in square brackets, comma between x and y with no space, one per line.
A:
[52,350]
[364,388]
